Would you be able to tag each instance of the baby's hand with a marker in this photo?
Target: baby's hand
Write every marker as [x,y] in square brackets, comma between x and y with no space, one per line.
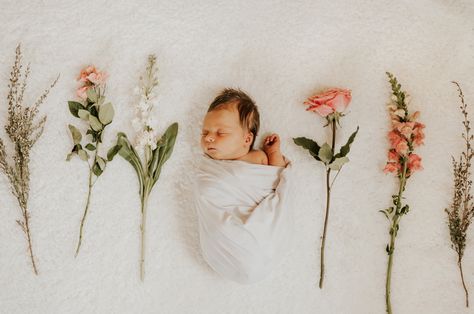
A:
[271,144]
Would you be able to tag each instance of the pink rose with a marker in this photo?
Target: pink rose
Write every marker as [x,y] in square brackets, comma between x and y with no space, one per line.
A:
[82,92]
[97,78]
[85,73]
[330,101]
[91,75]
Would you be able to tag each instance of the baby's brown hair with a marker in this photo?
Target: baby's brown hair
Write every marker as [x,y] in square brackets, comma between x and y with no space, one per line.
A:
[248,112]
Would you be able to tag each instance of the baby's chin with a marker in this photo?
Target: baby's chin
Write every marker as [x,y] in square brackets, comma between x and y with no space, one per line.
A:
[217,155]
[213,153]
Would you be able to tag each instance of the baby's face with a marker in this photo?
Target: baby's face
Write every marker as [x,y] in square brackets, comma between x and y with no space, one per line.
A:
[222,135]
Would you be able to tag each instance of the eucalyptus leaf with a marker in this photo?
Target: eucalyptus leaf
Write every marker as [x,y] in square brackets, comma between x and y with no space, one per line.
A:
[325,153]
[76,135]
[74,107]
[83,155]
[92,95]
[83,114]
[95,123]
[96,169]
[101,163]
[90,147]
[106,113]
[308,144]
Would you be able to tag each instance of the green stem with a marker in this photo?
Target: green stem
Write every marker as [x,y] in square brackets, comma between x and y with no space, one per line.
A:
[144,201]
[328,201]
[393,235]
[87,203]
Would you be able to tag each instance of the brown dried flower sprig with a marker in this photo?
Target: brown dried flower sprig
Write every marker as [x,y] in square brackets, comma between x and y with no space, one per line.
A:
[23,132]
[461,210]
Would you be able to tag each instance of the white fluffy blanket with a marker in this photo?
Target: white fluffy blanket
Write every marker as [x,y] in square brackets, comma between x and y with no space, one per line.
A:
[245,219]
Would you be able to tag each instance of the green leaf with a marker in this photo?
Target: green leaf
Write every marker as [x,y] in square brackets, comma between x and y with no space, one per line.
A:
[69,156]
[338,163]
[106,113]
[164,150]
[90,147]
[76,135]
[405,209]
[83,154]
[112,152]
[385,213]
[101,162]
[95,124]
[92,95]
[96,169]
[325,153]
[127,152]
[74,107]
[83,114]
[308,144]
[347,147]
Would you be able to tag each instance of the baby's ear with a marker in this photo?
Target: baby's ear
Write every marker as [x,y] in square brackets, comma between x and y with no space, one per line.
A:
[249,138]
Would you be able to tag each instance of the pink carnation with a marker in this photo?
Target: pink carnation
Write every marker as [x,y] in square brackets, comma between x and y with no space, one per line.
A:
[330,101]
[92,76]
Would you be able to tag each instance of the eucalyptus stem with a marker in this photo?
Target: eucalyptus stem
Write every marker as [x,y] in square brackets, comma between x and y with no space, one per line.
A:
[91,184]
[328,200]
[393,234]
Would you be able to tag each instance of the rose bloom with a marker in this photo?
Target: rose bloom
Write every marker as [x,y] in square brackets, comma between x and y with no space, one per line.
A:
[92,75]
[82,92]
[330,101]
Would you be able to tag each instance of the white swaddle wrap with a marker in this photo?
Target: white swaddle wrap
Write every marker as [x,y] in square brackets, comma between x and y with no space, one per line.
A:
[245,222]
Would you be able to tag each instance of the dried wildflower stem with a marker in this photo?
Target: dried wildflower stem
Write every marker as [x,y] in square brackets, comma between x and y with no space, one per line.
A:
[328,202]
[461,211]
[23,133]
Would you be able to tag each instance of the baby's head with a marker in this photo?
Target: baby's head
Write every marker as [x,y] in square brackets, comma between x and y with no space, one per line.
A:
[230,125]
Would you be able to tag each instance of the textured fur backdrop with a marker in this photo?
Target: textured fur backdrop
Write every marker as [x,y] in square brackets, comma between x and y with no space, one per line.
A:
[280,52]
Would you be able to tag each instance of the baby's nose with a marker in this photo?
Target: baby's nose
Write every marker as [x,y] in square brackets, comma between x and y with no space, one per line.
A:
[209,139]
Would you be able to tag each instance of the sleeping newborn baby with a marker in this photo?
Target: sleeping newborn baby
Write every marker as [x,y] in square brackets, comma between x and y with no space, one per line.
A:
[241,192]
